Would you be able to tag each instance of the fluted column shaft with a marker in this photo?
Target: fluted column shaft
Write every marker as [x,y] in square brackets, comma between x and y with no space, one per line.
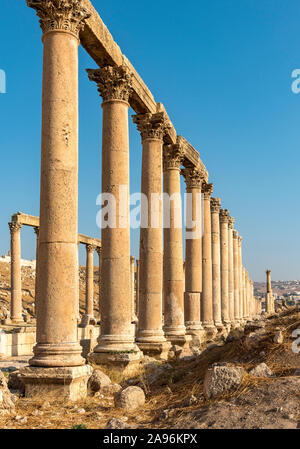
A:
[173,257]
[215,206]
[193,252]
[99,252]
[224,218]
[241,290]
[16,280]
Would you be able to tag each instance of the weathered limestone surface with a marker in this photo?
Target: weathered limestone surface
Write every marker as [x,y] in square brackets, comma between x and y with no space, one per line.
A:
[224,218]
[193,258]
[16,288]
[150,334]
[206,297]
[215,206]
[231,271]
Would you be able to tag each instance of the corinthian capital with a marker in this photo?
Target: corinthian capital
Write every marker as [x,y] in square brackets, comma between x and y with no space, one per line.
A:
[215,205]
[193,177]
[224,216]
[231,222]
[173,156]
[90,248]
[66,15]
[114,83]
[151,126]
[207,190]
[235,234]
[14,227]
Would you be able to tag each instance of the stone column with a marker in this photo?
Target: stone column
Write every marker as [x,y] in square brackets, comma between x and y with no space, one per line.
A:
[224,219]
[236,272]
[241,293]
[206,297]
[173,257]
[269,295]
[99,252]
[231,271]
[115,87]
[150,334]
[215,206]
[193,254]
[57,344]
[37,232]
[137,288]
[88,317]
[16,282]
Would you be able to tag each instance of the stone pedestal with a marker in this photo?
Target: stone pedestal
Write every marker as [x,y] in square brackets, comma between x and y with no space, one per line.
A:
[16,283]
[174,327]
[150,337]
[115,86]
[206,297]
[68,383]
[215,206]
[193,255]
[56,304]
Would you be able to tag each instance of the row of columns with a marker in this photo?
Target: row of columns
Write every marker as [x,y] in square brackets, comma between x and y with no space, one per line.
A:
[160,272]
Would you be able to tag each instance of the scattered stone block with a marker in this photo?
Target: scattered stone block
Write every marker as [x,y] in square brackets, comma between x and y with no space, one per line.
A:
[261,370]
[130,399]
[98,380]
[222,378]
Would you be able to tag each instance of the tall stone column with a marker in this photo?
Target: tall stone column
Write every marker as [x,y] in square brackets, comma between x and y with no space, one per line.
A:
[134,318]
[88,317]
[269,295]
[215,206]
[173,258]
[16,282]
[137,288]
[206,297]
[57,344]
[241,293]
[231,271]
[193,254]
[224,219]
[99,252]
[37,232]
[150,334]
[116,342]
[236,272]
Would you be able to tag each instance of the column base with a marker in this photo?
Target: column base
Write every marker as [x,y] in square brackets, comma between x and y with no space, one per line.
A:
[210,330]
[56,383]
[158,350]
[196,331]
[57,355]
[180,340]
[14,322]
[87,320]
[126,363]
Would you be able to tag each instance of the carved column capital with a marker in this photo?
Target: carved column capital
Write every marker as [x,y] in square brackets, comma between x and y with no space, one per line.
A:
[63,15]
[173,156]
[231,222]
[207,190]
[193,177]
[215,205]
[99,250]
[151,126]
[36,230]
[114,83]
[90,248]
[235,234]
[224,216]
[14,227]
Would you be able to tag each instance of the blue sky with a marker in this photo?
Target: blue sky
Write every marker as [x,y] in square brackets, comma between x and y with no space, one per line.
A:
[222,68]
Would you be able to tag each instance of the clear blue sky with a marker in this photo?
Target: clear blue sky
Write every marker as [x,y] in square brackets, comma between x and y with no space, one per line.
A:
[223,70]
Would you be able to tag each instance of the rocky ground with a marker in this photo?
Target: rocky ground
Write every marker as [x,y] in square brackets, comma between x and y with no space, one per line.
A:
[28,290]
[215,387]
